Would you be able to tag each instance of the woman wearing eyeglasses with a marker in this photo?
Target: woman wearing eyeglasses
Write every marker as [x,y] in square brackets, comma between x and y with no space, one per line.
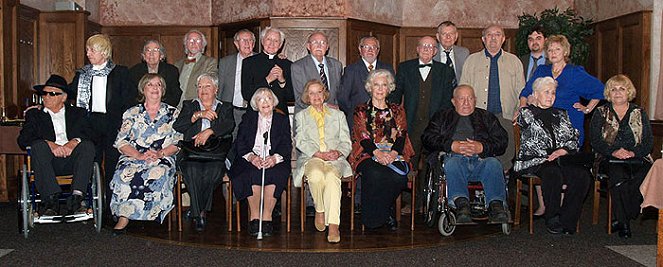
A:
[154,61]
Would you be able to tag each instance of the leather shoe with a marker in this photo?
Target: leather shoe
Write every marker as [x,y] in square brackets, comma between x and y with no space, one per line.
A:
[334,238]
[267,228]
[463,213]
[74,203]
[392,224]
[119,232]
[253,227]
[553,226]
[615,226]
[200,223]
[496,212]
[320,223]
[625,232]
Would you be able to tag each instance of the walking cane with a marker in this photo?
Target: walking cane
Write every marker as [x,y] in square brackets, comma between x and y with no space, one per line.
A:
[262,185]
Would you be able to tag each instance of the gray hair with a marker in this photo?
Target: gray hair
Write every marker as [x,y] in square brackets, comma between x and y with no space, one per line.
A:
[186,38]
[542,83]
[485,31]
[261,91]
[270,28]
[380,73]
[212,77]
[236,37]
[361,41]
[162,50]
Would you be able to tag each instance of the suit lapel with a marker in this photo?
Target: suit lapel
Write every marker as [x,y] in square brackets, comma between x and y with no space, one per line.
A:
[47,122]
[109,89]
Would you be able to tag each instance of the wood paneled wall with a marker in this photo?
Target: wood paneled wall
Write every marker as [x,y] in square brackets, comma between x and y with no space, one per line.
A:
[128,41]
[622,45]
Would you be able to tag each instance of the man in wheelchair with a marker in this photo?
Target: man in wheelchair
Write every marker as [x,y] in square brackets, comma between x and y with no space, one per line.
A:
[472,138]
[57,136]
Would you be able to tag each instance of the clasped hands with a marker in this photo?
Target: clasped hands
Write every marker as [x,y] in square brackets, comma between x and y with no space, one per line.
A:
[62,151]
[276,73]
[259,163]
[330,155]
[467,148]
[385,157]
[201,138]
[623,154]
[210,115]
[151,155]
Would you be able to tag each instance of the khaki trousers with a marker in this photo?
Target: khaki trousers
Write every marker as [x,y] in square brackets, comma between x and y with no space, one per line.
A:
[325,183]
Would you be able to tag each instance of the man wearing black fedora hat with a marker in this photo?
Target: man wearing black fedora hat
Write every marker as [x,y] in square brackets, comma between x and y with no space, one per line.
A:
[58,136]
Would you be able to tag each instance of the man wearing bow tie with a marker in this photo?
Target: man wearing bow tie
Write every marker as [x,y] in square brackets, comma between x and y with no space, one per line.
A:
[497,78]
[194,64]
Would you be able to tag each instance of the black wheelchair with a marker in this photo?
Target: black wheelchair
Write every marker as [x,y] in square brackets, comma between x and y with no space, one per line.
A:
[436,203]
[29,198]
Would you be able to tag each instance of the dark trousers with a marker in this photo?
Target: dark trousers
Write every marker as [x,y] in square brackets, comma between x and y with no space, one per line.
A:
[624,182]
[201,179]
[46,166]
[577,180]
[381,186]
[103,135]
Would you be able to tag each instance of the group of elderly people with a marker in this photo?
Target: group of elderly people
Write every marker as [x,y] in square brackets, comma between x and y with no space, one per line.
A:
[142,156]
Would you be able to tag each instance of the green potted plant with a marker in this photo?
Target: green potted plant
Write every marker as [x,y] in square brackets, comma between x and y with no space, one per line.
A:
[567,23]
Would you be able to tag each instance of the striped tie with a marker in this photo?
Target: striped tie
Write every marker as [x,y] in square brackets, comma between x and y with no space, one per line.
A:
[323,76]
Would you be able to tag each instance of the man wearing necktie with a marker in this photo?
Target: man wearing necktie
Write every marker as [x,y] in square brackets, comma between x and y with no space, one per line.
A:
[449,53]
[194,64]
[496,77]
[316,66]
[535,39]
[424,86]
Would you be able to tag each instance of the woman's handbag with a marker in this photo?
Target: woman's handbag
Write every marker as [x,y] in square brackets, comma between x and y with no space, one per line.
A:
[215,149]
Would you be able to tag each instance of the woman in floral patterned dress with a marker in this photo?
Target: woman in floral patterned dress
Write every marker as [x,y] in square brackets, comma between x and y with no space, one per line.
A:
[144,177]
[381,151]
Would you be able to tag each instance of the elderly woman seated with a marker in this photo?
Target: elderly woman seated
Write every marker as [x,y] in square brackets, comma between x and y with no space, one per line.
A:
[201,120]
[620,131]
[261,131]
[546,136]
[143,181]
[381,151]
[323,141]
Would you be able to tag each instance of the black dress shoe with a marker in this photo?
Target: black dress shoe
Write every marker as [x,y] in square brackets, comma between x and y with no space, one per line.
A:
[553,226]
[200,223]
[253,227]
[74,203]
[119,232]
[267,228]
[625,232]
[615,226]
[392,224]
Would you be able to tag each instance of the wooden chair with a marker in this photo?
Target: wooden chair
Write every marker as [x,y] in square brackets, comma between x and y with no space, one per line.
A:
[178,193]
[598,178]
[302,201]
[531,181]
[288,207]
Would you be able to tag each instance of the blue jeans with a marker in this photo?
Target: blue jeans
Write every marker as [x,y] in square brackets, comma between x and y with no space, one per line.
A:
[460,170]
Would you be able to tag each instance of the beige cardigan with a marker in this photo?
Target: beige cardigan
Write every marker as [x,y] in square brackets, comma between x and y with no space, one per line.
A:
[337,136]
[476,72]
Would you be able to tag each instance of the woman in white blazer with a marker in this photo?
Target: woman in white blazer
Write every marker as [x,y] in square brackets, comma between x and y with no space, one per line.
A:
[323,142]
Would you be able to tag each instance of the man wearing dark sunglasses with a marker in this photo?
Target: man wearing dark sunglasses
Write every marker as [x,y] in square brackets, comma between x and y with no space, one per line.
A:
[58,136]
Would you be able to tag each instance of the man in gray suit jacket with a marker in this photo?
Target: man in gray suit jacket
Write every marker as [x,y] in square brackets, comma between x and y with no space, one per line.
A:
[316,66]
[447,34]
[194,64]
[230,75]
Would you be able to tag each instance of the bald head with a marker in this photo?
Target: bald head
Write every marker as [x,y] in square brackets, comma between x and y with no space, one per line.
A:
[426,49]
[464,100]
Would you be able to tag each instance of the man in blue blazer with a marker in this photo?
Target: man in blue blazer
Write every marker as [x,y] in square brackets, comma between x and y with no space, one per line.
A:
[352,91]
[312,67]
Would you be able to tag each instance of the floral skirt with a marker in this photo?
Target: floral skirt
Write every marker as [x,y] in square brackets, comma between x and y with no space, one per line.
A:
[143,190]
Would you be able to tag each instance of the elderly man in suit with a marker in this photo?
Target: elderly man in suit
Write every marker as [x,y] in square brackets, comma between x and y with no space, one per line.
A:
[154,61]
[58,137]
[194,64]
[353,91]
[230,75]
[267,69]
[449,53]
[316,66]
[496,76]
[535,39]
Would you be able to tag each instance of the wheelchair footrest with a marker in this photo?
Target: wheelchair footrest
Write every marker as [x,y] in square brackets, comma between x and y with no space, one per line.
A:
[78,217]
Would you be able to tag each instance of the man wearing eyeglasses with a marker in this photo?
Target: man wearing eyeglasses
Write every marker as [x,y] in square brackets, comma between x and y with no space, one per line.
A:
[316,66]
[352,91]
[60,145]
[497,78]
[424,86]
[194,64]
[450,53]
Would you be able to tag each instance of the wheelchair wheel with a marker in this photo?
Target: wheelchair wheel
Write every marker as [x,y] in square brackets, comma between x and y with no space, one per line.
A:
[431,200]
[24,205]
[97,198]
[447,223]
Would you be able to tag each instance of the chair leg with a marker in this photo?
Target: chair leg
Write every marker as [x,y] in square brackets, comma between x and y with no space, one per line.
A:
[609,211]
[412,203]
[530,208]
[237,215]
[595,206]
[179,202]
[229,206]
[519,187]
[288,204]
[353,188]
[302,206]
[398,208]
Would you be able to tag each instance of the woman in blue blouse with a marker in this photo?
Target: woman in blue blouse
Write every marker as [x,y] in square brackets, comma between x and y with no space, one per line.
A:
[573,82]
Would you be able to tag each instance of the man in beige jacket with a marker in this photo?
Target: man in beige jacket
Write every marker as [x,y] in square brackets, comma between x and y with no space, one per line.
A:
[497,78]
